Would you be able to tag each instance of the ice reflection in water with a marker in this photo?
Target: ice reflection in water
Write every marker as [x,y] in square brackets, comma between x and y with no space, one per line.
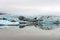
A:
[48,27]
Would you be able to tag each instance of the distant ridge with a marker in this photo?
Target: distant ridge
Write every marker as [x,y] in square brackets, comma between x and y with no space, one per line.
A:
[2,13]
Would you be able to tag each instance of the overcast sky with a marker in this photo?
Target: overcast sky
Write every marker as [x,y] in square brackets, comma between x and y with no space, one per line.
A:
[30,7]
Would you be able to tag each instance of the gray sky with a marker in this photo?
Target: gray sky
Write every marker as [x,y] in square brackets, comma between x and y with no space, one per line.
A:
[30,7]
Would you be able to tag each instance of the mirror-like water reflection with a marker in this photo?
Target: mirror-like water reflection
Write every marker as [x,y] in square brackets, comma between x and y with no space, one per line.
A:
[48,27]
